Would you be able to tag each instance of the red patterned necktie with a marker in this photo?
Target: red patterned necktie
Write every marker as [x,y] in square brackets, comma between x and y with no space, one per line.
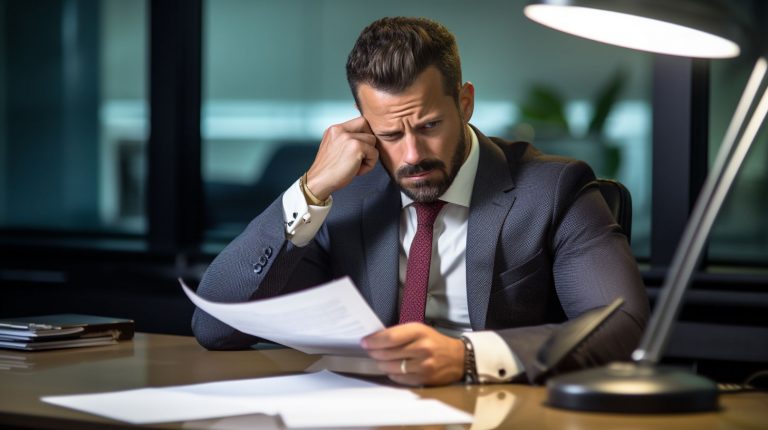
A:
[419,258]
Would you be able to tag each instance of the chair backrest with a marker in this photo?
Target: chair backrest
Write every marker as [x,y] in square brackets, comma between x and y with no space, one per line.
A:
[619,202]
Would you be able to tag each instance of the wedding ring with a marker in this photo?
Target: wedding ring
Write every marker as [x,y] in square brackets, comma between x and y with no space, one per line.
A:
[403,370]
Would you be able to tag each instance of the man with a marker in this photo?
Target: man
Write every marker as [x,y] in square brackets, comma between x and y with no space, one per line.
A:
[517,242]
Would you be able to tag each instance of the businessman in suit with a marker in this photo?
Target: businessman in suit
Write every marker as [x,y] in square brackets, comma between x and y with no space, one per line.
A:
[471,250]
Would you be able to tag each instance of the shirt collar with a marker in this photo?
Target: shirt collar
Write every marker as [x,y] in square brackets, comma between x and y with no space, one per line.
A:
[460,191]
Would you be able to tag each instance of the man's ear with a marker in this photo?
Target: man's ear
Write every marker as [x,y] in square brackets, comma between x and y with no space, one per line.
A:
[467,101]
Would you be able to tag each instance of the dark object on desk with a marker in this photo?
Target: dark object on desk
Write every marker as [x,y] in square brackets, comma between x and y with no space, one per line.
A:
[63,331]
[570,336]
[633,388]
[626,387]
[46,344]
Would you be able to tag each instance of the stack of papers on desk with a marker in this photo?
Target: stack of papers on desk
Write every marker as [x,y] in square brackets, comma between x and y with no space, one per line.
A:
[321,399]
[62,331]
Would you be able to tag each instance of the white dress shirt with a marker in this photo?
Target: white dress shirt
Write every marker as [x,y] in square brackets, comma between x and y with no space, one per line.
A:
[446,308]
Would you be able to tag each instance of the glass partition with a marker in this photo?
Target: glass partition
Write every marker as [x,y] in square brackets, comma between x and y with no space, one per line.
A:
[73,115]
[740,232]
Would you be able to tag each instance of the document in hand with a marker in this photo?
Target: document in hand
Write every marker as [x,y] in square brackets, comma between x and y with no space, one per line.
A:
[328,319]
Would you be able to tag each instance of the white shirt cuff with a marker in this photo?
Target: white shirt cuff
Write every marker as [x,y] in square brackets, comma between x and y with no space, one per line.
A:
[302,221]
[494,360]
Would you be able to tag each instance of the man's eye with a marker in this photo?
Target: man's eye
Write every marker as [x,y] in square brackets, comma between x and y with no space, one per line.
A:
[431,124]
[389,137]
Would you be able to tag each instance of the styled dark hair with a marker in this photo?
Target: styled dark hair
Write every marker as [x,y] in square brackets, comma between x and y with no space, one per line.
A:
[391,52]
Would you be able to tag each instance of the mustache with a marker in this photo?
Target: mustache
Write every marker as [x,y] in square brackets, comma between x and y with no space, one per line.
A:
[415,169]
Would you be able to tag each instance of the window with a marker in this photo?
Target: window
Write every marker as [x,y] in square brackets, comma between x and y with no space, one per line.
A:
[274,79]
[740,232]
[73,115]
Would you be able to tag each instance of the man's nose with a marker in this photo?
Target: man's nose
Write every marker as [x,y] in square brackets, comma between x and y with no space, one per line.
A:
[413,153]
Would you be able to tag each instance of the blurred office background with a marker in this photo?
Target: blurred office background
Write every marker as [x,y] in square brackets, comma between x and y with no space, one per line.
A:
[137,137]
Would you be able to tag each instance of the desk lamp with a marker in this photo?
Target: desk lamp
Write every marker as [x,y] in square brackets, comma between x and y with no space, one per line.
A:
[701,29]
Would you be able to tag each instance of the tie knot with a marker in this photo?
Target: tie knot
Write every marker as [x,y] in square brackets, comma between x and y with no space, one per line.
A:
[426,213]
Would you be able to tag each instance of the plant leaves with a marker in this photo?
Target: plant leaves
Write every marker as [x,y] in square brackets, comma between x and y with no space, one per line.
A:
[605,101]
[545,106]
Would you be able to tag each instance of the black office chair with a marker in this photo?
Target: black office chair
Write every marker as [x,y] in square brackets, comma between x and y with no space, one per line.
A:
[238,203]
[619,202]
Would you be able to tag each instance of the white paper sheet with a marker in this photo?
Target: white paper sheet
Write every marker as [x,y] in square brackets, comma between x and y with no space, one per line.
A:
[328,319]
[361,411]
[317,399]
[291,385]
[152,405]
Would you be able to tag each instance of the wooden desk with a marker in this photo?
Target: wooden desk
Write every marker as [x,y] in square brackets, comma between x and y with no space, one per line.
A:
[160,360]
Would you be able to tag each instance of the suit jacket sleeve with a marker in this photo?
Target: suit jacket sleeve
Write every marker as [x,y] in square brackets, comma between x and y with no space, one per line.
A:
[592,264]
[261,262]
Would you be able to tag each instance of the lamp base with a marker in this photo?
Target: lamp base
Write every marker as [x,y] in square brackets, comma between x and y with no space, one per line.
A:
[632,388]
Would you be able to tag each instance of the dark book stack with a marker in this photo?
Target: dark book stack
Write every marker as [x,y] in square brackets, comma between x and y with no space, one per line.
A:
[63,331]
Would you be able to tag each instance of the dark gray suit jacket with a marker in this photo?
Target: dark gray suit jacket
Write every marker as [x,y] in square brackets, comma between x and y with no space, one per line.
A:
[542,247]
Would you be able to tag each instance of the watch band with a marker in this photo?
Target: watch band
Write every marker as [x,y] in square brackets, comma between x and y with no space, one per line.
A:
[470,369]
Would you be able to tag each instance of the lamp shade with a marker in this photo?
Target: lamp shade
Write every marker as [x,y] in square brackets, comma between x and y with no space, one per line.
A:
[675,27]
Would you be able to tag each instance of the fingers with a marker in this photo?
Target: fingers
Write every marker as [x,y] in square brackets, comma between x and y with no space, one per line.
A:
[426,356]
[358,125]
[347,150]
[413,380]
[370,158]
[416,372]
[393,337]
[432,369]
[412,366]
[354,129]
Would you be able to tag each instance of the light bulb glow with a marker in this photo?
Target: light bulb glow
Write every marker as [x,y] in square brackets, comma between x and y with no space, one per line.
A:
[631,31]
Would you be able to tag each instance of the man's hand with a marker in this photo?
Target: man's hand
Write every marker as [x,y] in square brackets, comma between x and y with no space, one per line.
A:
[430,358]
[347,150]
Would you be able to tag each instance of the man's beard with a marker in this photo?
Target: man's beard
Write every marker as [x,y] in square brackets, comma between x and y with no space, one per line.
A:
[427,190]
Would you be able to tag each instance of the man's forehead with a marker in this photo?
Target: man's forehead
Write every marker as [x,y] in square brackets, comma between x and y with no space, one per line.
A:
[382,103]
[420,100]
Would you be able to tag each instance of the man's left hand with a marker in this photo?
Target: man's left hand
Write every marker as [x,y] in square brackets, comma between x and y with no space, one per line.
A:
[431,358]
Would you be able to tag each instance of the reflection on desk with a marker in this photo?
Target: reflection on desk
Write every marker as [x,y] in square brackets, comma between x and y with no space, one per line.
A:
[160,360]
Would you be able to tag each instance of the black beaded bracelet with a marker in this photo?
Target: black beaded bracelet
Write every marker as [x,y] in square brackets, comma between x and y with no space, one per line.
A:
[470,370]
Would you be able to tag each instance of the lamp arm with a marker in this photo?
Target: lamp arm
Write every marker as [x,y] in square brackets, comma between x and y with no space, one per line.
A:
[730,157]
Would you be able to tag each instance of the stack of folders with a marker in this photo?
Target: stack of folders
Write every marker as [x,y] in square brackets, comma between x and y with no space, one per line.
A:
[62,331]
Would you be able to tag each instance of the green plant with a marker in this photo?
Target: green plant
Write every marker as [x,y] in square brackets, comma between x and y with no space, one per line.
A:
[544,107]
[543,117]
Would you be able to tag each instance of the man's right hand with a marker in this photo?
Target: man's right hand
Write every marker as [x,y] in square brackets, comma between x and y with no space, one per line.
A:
[347,150]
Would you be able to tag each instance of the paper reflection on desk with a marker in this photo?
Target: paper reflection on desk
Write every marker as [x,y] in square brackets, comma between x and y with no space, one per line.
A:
[492,406]
[243,422]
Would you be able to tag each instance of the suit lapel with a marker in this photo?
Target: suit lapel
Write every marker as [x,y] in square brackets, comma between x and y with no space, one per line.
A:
[492,198]
[381,245]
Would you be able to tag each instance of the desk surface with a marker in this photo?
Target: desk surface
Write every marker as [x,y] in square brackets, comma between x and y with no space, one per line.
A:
[160,360]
